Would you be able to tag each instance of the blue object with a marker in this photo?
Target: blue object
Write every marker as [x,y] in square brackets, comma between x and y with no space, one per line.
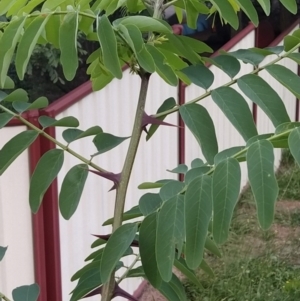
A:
[202,25]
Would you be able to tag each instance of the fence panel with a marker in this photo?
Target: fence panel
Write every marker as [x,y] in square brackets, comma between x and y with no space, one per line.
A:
[17,268]
[113,109]
[227,135]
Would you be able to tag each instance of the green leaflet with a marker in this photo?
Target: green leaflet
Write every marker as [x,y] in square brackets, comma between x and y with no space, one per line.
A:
[180,264]
[230,152]
[266,6]
[8,44]
[236,109]
[16,95]
[181,169]
[132,213]
[169,103]
[44,174]
[5,5]
[227,12]
[71,135]
[145,24]
[201,125]
[70,121]
[108,44]
[71,190]
[28,42]
[52,30]
[261,93]
[229,64]
[133,37]
[260,163]
[171,189]
[290,42]
[173,290]
[226,189]
[191,14]
[5,118]
[105,142]
[197,163]
[249,10]
[88,281]
[68,45]
[286,77]
[147,241]
[206,268]
[2,252]
[14,147]
[198,212]
[295,57]
[294,139]
[199,75]
[290,5]
[248,56]
[117,244]
[149,203]
[26,293]
[21,106]
[194,173]
[170,234]
[164,71]
[194,44]
[211,246]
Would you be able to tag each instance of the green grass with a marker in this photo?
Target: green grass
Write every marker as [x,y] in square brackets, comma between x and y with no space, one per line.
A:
[258,265]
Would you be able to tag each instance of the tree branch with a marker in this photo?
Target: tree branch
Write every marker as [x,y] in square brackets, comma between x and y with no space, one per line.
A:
[4,297]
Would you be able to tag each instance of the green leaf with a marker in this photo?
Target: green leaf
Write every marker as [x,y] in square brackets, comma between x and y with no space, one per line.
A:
[229,64]
[194,44]
[2,252]
[266,6]
[105,142]
[290,5]
[294,139]
[71,190]
[71,135]
[108,44]
[68,45]
[14,147]
[28,42]
[101,81]
[87,282]
[286,126]
[149,203]
[133,37]
[211,246]
[290,42]
[248,56]
[295,57]
[250,11]
[180,264]
[137,272]
[8,44]
[227,12]
[206,268]
[150,185]
[228,153]
[170,234]
[173,60]
[5,118]
[145,24]
[261,93]
[169,103]
[171,189]
[44,174]
[117,244]
[5,5]
[198,212]
[194,173]
[164,71]
[52,30]
[16,95]
[147,241]
[258,137]
[286,77]
[236,109]
[70,121]
[134,212]
[199,75]
[201,125]
[39,103]
[173,290]
[226,190]
[260,162]
[8,84]
[26,293]
[197,163]
[181,168]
